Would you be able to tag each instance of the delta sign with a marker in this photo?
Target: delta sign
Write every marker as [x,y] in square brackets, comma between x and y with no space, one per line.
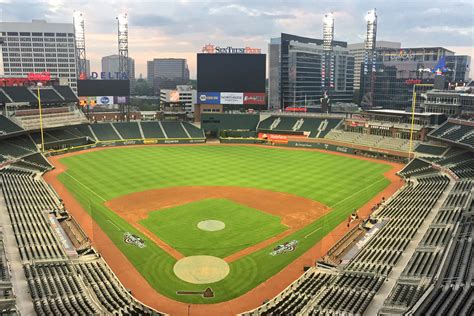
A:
[105,75]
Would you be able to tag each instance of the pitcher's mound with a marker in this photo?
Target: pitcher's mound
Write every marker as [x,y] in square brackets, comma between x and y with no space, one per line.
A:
[211,225]
[201,269]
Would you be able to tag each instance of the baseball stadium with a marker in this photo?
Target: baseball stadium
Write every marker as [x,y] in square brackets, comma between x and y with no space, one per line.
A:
[252,214]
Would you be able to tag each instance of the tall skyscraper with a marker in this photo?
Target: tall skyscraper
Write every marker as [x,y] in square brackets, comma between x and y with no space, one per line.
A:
[167,73]
[36,47]
[358,51]
[297,72]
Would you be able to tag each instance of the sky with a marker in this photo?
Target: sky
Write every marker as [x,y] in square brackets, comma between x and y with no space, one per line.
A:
[181,28]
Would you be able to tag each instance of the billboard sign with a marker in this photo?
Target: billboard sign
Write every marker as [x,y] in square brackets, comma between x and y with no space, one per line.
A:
[254,98]
[94,88]
[105,100]
[213,49]
[41,76]
[280,138]
[106,75]
[121,100]
[209,98]
[174,96]
[232,98]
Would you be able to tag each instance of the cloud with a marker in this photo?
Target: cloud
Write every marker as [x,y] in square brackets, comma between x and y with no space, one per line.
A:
[152,20]
[181,28]
[437,29]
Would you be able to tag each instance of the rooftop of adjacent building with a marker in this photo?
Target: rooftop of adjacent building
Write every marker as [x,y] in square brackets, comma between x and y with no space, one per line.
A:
[379,44]
[415,50]
[36,26]
[114,56]
[285,37]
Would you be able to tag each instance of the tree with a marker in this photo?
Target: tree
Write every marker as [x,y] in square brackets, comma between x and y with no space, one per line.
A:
[142,87]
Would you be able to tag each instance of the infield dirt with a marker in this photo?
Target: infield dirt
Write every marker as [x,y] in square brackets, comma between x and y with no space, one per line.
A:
[295,212]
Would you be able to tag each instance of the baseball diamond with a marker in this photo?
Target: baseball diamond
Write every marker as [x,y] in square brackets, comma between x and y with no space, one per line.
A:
[274,205]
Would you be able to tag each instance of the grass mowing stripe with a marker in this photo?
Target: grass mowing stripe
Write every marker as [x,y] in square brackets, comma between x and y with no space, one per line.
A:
[358,192]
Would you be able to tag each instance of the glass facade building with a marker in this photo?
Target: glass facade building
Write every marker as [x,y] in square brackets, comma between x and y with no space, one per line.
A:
[398,70]
[296,72]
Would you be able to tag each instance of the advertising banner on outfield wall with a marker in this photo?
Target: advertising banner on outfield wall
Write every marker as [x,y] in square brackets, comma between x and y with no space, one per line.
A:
[209,98]
[232,98]
[254,98]
[274,137]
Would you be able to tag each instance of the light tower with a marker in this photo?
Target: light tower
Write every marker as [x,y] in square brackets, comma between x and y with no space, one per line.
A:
[327,62]
[370,41]
[80,40]
[370,55]
[122,21]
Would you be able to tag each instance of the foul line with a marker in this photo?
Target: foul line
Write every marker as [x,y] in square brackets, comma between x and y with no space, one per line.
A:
[313,232]
[66,173]
[355,193]
[118,228]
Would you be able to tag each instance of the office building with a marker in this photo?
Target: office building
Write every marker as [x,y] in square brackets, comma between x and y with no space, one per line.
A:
[167,73]
[297,75]
[37,47]
[183,96]
[459,66]
[454,103]
[358,51]
[398,70]
[110,65]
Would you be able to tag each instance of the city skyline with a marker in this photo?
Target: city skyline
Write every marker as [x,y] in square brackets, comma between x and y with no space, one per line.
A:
[181,28]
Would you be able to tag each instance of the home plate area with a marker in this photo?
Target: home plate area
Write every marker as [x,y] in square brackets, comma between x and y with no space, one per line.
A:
[201,269]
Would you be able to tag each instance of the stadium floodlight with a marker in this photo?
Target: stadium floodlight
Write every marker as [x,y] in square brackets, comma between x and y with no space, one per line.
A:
[371,18]
[80,44]
[122,20]
[370,41]
[328,31]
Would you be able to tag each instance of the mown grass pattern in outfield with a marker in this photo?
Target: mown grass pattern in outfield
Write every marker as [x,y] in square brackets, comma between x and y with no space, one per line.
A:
[244,227]
[340,182]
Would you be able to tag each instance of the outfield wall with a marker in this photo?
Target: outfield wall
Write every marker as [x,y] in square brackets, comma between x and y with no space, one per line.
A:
[323,144]
[116,143]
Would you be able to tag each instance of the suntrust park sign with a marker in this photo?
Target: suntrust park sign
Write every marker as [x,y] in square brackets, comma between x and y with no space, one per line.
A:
[213,49]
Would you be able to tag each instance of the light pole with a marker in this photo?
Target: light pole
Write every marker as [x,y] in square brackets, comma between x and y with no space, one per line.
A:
[40,115]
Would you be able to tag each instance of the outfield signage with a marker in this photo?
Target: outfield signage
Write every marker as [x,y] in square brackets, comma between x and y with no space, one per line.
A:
[105,100]
[235,98]
[214,49]
[209,98]
[254,98]
[106,75]
[342,149]
[232,98]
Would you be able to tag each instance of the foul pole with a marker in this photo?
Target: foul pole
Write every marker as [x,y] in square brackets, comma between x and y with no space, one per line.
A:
[413,106]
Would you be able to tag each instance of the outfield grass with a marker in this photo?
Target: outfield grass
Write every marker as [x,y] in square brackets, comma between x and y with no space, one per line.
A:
[340,182]
[244,227]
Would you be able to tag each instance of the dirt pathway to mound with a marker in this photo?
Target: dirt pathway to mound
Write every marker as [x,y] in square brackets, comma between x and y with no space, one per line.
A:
[295,212]
[142,290]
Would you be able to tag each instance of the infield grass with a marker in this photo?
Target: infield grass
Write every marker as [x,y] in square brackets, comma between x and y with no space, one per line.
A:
[244,227]
[342,183]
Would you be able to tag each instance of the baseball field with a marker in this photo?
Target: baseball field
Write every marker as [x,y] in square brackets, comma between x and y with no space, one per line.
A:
[223,217]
